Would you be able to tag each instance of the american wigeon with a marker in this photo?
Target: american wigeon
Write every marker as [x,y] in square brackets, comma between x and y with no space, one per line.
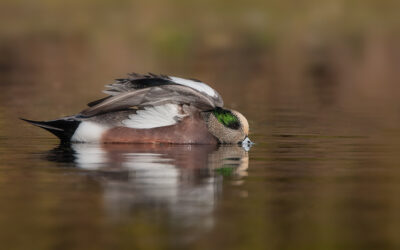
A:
[153,109]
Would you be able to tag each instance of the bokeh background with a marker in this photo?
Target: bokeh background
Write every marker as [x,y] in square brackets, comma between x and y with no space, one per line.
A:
[318,80]
[275,48]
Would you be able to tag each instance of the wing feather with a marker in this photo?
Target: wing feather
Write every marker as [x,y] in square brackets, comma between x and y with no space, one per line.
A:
[153,96]
[152,117]
[138,81]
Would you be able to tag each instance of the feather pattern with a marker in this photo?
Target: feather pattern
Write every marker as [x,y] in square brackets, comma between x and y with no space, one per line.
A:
[152,117]
[154,93]
[137,81]
[197,85]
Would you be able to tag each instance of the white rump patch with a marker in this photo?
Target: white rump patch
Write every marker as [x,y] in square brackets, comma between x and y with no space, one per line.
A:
[153,117]
[199,86]
[88,132]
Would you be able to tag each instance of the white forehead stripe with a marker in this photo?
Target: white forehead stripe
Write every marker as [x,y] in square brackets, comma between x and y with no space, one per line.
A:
[199,86]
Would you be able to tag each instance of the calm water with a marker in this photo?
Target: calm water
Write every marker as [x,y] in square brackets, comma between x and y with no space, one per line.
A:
[319,177]
[317,80]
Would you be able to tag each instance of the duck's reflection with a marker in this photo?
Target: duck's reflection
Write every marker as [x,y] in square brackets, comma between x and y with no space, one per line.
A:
[182,180]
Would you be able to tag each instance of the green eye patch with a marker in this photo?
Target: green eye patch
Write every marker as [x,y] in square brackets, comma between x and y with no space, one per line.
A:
[227,118]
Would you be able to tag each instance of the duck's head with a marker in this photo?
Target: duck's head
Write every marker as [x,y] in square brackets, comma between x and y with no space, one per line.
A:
[229,126]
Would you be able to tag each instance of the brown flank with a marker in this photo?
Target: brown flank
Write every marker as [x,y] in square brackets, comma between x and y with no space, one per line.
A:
[191,130]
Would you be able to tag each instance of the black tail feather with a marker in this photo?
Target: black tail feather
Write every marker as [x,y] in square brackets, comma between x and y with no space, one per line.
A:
[62,128]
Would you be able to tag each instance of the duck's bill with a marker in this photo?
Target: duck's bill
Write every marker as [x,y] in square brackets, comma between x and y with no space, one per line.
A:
[247,143]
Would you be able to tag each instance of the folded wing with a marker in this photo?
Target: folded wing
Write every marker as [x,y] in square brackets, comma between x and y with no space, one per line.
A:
[153,90]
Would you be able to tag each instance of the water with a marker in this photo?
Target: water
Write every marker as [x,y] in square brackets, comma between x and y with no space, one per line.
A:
[323,174]
[318,82]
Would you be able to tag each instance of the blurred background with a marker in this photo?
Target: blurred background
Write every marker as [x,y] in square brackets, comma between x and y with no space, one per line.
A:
[278,49]
[318,81]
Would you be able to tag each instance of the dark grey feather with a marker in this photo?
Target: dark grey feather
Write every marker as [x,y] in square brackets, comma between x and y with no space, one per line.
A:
[137,81]
[150,90]
[152,96]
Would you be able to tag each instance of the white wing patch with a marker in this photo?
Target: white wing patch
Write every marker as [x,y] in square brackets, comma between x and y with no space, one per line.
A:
[153,117]
[199,86]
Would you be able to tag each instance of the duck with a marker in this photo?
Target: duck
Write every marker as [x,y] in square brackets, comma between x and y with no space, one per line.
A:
[151,108]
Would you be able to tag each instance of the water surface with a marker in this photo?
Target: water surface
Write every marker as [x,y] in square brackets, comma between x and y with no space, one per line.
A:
[323,174]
